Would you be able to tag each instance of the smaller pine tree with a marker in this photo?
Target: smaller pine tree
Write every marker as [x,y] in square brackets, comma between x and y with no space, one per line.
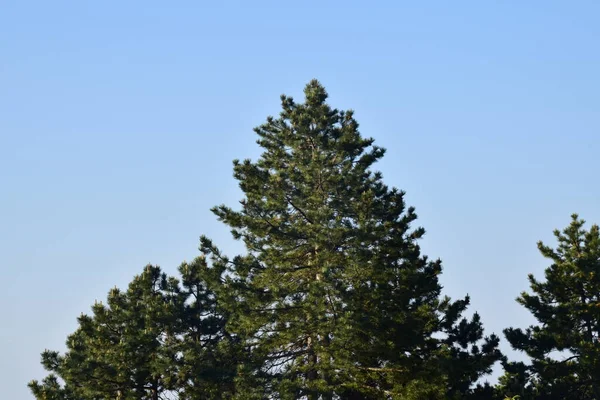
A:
[158,339]
[122,350]
[567,307]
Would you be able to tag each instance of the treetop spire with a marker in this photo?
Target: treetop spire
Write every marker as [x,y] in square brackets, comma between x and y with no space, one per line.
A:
[315,93]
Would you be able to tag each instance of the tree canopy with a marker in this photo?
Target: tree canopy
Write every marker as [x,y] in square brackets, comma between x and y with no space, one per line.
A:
[563,346]
[159,339]
[331,299]
[337,298]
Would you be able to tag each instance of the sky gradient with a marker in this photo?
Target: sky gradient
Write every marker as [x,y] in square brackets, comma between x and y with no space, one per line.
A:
[119,122]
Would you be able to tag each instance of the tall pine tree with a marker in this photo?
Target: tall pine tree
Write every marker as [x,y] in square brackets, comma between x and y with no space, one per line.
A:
[563,346]
[334,298]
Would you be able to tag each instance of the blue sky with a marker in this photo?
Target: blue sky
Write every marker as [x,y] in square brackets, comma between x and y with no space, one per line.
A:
[119,121]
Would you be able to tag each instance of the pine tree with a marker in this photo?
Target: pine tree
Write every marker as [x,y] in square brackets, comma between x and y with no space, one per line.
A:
[121,351]
[153,341]
[334,298]
[564,346]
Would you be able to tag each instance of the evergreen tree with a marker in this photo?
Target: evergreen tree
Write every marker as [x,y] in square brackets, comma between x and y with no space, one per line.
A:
[123,350]
[156,340]
[567,307]
[334,298]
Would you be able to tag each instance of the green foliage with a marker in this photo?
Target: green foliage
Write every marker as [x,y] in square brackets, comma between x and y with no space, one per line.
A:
[334,296]
[158,338]
[567,307]
[332,300]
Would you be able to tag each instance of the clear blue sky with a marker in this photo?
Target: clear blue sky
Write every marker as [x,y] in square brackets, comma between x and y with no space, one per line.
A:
[119,121]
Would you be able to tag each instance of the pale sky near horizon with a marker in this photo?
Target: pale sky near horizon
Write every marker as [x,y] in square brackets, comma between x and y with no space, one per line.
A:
[119,121]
